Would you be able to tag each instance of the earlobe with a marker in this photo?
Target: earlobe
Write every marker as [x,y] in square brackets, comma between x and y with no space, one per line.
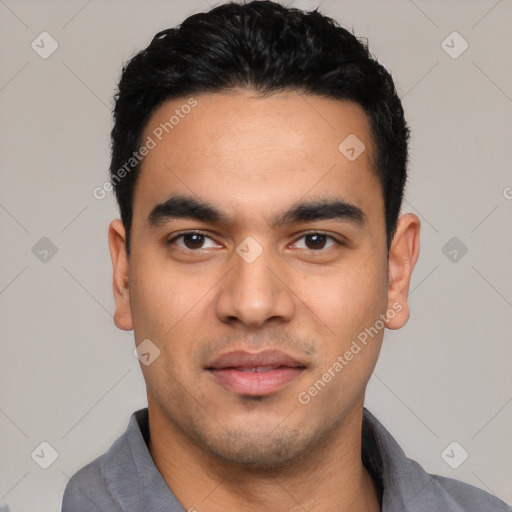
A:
[120,268]
[403,254]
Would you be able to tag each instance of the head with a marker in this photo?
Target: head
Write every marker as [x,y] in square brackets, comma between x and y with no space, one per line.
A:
[259,161]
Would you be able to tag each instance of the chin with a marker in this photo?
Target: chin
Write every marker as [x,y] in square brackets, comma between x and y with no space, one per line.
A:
[259,449]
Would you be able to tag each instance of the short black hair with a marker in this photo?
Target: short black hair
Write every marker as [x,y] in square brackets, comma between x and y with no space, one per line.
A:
[264,47]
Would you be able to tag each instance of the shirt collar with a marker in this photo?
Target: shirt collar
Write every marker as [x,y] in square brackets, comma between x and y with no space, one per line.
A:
[131,475]
[406,486]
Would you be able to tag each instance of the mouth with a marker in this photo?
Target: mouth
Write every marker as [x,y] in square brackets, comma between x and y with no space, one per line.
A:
[255,374]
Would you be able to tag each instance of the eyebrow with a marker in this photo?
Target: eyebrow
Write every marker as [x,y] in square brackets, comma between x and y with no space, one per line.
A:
[186,207]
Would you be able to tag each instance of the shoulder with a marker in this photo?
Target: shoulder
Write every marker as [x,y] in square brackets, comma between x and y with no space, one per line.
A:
[408,487]
[87,490]
[468,497]
[101,484]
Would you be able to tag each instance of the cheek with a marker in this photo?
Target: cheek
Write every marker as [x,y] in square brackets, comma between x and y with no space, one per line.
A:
[167,312]
[160,300]
[172,308]
[349,299]
[350,306]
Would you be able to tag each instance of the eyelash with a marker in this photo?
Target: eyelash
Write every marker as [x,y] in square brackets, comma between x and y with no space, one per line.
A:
[200,233]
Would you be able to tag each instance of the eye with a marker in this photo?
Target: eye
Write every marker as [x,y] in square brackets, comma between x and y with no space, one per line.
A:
[193,240]
[316,241]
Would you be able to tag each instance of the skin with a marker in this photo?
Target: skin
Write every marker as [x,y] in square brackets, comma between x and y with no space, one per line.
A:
[252,158]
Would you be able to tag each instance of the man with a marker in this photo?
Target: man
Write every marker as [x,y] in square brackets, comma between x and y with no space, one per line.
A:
[259,160]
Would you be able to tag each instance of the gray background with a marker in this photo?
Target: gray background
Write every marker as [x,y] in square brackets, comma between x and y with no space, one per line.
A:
[70,378]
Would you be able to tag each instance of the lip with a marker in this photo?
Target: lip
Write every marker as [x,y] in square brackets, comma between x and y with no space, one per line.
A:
[255,374]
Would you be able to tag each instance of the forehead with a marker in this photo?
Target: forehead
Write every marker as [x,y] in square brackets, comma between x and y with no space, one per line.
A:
[246,152]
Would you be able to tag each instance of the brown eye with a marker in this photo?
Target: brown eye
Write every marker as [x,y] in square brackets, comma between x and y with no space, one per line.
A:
[316,242]
[193,241]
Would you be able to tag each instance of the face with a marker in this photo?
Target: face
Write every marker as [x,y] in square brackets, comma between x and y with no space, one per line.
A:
[259,270]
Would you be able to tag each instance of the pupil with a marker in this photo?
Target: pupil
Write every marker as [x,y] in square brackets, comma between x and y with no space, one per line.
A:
[193,241]
[317,241]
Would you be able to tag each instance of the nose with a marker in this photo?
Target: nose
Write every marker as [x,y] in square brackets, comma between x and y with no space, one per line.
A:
[254,293]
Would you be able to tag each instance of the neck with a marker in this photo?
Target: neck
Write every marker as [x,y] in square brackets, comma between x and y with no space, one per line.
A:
[330,478]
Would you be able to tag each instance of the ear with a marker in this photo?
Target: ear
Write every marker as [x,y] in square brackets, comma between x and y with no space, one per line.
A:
[120,267]
[403,254]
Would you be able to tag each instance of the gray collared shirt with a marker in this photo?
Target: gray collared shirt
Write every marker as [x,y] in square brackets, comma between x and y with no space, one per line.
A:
[125,479]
